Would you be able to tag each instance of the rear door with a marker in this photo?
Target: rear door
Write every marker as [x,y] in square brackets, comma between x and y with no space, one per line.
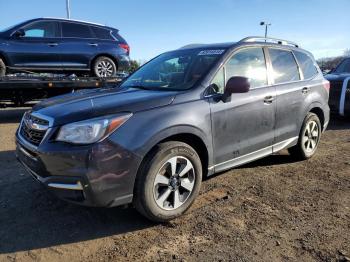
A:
[38,48]
[286,77]
[243,129]
[79,45]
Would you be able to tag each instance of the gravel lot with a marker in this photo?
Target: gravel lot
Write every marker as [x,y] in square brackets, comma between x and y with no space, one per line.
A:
[275,209]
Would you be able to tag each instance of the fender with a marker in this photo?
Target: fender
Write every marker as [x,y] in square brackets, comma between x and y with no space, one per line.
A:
[178,130]
[319,105]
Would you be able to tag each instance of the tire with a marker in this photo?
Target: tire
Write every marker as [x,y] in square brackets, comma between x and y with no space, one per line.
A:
[308,140]
[2,68]
[104,67]
[157,185]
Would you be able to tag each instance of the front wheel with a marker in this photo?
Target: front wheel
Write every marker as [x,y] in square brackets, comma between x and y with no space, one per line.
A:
[309,138]
[2,68]
[104,67]
[168,182]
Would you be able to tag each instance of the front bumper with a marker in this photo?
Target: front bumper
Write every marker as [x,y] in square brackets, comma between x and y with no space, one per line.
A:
[102,174]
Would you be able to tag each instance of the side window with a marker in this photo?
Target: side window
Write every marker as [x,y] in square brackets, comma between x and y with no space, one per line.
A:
[250,63]
[307,65]
[101,33]
[42,29]
[219,81]
[343,67]
[75,30]
[285,68]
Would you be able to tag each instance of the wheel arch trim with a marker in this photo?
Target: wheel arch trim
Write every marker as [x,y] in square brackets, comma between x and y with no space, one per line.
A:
[175,133]
[114,59]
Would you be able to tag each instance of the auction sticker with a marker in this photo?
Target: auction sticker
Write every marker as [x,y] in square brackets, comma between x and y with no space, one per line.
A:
[212,52]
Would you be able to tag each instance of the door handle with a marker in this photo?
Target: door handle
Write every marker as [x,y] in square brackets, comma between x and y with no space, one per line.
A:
[268,99]
[52,44]
[305,90]
[93,44]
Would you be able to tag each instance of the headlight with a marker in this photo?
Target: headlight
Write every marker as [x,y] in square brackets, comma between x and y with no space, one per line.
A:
[90,131]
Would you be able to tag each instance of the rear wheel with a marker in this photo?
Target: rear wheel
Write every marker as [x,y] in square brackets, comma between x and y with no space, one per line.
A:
[168,182]
[309,138]
[104,67]
[2,68]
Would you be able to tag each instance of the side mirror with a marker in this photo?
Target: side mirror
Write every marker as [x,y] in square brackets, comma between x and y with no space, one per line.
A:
[236,84]
[19,33]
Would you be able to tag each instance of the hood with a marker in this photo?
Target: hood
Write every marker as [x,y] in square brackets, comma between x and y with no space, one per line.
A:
[337,76]
[87,104]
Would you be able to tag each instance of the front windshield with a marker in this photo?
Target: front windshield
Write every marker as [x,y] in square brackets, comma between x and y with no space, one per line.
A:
[343,67]
[177,70]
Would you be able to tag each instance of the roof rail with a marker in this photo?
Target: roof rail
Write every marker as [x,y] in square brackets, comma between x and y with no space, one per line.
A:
[268,40]
[73,20]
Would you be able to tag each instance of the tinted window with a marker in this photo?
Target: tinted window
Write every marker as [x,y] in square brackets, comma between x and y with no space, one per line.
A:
[306,64]
[41,29]
[76,30]
[249,63]
[343,67]
[101,33]
[284,66]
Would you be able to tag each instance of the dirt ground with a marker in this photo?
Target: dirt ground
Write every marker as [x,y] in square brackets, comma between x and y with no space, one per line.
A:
[274,209]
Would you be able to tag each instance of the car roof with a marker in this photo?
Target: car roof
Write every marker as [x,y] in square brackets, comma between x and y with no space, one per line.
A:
[271,42]
[72,20]
[215,45]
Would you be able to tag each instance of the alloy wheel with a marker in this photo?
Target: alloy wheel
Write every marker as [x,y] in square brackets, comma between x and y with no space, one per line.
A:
[174,183]
[311,136]
[104,69]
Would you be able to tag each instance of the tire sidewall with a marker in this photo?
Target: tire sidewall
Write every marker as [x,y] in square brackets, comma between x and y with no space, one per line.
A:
[101,58]
[2,68]
[147,197]
[310,117]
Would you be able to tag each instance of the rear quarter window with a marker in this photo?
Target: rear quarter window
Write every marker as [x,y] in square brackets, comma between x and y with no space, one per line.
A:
[306,64]
[75,30]
[285,68]
[101,33]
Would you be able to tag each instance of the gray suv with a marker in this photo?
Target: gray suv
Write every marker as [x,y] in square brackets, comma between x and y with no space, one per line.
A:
[185,115]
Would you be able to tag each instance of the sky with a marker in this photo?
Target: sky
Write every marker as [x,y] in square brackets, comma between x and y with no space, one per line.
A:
[155,26]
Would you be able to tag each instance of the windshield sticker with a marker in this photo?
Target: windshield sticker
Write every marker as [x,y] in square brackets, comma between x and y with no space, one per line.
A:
[211,52]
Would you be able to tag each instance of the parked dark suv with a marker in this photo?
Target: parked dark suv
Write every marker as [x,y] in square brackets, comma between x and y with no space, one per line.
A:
[339,96]
[56,45]
[186,114]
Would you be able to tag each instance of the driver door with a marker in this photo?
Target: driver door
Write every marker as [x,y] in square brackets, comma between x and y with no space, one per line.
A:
[38,48]
[243,128]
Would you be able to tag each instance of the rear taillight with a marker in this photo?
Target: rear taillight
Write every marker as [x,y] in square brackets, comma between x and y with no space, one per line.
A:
[126,47]
[326,85]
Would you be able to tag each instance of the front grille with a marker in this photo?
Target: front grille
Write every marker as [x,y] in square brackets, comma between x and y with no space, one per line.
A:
[29,131]
[37,120]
